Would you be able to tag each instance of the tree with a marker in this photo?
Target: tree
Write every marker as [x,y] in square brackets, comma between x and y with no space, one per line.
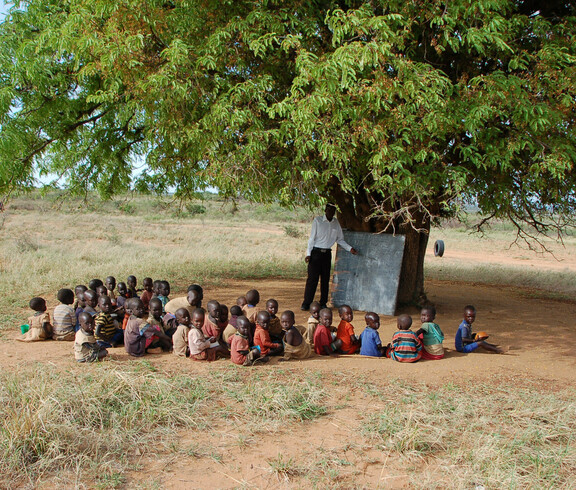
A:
[398,111]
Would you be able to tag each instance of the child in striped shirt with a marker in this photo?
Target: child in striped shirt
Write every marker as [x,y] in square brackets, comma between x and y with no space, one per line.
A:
[405,346]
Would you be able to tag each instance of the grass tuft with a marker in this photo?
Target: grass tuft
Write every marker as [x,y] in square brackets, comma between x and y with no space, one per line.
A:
[494,437]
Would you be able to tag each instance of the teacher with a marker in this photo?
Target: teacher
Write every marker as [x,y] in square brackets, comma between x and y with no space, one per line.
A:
[325,232]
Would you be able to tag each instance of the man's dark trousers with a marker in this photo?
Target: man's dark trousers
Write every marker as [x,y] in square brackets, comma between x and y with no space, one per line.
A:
[318,267]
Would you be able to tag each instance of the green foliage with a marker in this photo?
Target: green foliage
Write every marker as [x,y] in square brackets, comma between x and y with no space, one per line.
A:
[394,109]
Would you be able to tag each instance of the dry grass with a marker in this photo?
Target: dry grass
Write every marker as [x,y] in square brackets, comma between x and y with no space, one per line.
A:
[94,422]
[485,436]
[89,424]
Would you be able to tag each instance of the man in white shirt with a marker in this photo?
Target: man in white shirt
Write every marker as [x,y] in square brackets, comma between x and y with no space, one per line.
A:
[325,232]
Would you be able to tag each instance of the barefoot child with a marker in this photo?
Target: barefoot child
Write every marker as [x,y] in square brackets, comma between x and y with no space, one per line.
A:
[180,337]
[262,336]
[157,320]
[405,346]
[251,308]
[275,328]
[107,331]
[122,295]
[231,329]
[430,335]
[90,302]
[211,327]
[350,343]
[164,293]
[146,295]
[465,341]
[79,293]
[110,287]
[86,349]
[131,282]
[240,351]
[140,336]
[324,344]
[313,321]
[370,342]
[295,345]
[201,348]
[40,326]
[64,316]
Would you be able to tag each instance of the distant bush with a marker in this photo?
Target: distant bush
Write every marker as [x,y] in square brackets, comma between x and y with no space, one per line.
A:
[26,244]
[293,231]
[194,208]
[127,208]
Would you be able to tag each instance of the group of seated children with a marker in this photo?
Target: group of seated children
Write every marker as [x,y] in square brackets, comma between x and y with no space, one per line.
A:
[102,315]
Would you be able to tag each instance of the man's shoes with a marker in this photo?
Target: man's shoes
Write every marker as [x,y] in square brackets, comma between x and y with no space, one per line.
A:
[305,307]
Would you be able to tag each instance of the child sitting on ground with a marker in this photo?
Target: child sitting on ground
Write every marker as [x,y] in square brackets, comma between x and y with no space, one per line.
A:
[90,302]
[405,346]
[164,293]
[211,327]
[223,315]
[79,304]
[295,346]
[240,351]
[370,342]
[157,320]
[110,287]
[350,343]
[251,308]
[275,327]
[122,295]
[131,283]
[180,337]
[430,335]
[262,337]
[101,291]
[231,329]
[141,337]
[201,348]
[199,293]
[313,321]
[107,331]
[79,293]
[86,349]
[324,344]
[40,326]
[64,316]
[468,342]
[147,294]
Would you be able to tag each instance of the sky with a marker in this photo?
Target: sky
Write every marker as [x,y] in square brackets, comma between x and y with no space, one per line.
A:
[3,10]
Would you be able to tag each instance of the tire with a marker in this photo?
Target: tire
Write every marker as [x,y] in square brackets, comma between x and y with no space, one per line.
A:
[439,248]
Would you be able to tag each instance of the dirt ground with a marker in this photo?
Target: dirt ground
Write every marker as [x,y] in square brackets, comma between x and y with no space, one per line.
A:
[540,332]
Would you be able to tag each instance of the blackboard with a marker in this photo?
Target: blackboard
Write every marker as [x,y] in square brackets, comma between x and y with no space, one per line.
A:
[368,281]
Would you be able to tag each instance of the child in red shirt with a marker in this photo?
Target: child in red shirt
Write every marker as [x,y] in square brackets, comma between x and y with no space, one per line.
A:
[323,343]
[240,352]
[262,336]
[350,344]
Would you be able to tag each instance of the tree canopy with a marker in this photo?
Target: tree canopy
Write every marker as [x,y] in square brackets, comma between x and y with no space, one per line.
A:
[395,109]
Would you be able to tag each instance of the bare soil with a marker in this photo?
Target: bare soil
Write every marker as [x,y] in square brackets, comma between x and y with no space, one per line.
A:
[540,332]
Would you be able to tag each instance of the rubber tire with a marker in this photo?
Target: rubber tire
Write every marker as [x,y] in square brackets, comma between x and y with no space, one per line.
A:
[439,248]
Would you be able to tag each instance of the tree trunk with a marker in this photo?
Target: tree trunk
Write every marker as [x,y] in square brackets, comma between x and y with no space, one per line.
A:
[353,211]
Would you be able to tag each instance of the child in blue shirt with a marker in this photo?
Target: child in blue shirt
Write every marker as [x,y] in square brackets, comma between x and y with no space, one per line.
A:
[465,340]
[369,338]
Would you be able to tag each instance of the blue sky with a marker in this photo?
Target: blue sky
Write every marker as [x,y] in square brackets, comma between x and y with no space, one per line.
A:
[3,10]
